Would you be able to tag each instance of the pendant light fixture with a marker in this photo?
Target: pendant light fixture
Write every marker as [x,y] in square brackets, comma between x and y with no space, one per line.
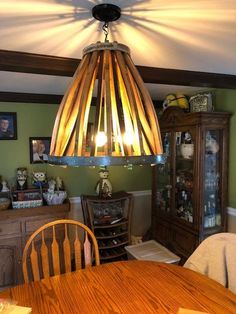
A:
[122,128]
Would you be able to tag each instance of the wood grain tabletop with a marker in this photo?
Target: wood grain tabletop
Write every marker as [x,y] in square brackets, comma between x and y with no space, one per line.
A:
[125,287]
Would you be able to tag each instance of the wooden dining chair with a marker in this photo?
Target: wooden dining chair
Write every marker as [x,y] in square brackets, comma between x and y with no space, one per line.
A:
[52,248]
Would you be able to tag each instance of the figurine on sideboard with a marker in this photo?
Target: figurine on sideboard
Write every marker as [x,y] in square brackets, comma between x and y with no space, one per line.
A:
[39,179]
[51,186]
[21,178]
[54,196]
[104,187]
[59,184]
[4,186]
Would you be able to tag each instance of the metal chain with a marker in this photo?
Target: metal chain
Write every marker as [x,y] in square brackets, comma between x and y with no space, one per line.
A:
[105,29]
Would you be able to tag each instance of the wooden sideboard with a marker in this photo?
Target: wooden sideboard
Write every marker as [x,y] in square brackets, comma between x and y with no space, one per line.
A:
[16,225]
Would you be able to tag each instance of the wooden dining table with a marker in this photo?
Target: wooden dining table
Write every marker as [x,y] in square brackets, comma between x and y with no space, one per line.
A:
[125,287]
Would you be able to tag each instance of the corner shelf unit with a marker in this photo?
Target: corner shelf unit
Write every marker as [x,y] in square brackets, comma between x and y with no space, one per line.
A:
[110,220]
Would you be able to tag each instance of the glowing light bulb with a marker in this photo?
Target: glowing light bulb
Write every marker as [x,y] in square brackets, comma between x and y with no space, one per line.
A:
[128,139]
[101,139]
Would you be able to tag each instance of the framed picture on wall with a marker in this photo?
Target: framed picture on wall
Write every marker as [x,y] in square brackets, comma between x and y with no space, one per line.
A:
[39,149]
[8,126]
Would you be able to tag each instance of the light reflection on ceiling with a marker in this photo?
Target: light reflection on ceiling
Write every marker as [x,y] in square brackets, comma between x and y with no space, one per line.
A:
[178,34]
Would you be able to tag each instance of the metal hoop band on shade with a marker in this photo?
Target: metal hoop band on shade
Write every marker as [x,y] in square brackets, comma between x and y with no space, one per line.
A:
[106,161]
[106,46]
[124,113]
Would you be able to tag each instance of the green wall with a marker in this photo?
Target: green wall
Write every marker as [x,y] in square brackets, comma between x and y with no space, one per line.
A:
[226,101]
[37,120]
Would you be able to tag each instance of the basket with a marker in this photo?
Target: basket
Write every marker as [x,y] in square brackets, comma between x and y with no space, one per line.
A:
[55,198]
[27,204]
[4,203]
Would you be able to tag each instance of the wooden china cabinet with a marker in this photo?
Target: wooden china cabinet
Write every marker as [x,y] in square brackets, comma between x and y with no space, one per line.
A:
[189,193]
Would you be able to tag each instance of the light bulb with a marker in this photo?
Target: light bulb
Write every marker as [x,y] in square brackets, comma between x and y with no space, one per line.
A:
[128,139]
[101,139]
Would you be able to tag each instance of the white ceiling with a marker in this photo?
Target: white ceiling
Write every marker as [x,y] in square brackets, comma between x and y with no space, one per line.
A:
[198,35]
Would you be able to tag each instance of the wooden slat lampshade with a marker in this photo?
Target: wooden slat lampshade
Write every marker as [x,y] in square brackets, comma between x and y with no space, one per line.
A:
[121,129]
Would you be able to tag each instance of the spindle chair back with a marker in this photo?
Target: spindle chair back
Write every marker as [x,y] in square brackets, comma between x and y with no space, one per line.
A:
[51,249]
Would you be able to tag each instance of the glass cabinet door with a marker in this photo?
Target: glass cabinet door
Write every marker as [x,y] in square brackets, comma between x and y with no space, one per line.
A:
[164,187]
[184,168]
[212,201]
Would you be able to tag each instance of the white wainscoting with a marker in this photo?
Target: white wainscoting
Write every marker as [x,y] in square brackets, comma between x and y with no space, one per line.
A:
[231,219]
[231,211]
[141,215]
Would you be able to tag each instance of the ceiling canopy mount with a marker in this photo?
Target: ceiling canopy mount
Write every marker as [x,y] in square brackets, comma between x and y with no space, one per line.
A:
[106,12]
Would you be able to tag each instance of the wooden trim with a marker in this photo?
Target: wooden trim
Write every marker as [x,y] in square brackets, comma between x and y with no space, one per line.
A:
[30,98]
[77,199]
[51,65]
[187,78]
[33,98]
[16,61]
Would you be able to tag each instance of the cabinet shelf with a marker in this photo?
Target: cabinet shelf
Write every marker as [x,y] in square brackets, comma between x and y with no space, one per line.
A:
[113,245]
[108,226]
[112,256]
[98,237]
[181,159]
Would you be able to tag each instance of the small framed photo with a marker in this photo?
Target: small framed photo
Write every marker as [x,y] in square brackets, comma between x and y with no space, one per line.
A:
[8,126]
[39,149]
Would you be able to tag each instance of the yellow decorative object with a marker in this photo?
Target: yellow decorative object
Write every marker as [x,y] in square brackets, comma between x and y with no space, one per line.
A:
[178,100]
[182,101]
[170,100]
